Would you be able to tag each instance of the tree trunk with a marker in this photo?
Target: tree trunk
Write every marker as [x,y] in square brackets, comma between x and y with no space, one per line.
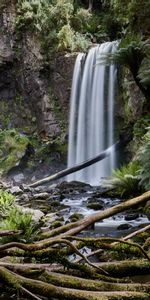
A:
[80,166]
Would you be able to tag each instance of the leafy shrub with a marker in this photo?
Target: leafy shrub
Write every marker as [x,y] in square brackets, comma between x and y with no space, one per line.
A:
[6,202]
[82,19]
[52,20]
[129,13]
[17,220]
[65,36]
[12,218]
[140,126]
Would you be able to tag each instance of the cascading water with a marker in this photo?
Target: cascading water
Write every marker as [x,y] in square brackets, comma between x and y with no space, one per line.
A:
[92,114]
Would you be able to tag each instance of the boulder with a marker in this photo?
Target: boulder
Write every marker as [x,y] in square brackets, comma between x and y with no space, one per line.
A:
[36,213]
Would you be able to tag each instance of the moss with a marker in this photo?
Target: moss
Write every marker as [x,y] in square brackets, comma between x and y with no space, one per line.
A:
[55,203]
[12,148]
[75,217]
[95,205]
[147,211]
[56,224]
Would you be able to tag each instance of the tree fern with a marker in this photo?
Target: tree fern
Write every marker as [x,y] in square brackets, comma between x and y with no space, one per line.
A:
[135,56]
[126,180]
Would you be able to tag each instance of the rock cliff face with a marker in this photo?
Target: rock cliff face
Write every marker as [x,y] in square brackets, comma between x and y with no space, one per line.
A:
[28,85]
[35,92]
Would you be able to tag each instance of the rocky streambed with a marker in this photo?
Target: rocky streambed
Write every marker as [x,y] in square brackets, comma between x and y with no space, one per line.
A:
[62,203]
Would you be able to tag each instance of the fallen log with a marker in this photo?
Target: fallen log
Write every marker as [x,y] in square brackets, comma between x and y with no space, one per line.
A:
[51,291]
[68,281]
[90,283]
[126,267]
[10,232]
[80,166]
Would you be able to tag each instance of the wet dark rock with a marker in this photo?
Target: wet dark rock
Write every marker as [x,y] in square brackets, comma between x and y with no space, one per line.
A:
[24,198]
[95,204]
[55,203]
[54,198]
[26,188]
[74,187]
[131,217]
[124,227]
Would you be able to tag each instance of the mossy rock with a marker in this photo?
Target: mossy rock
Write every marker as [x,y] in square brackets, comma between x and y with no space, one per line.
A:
[56,224]
[75,217]
[95,204]
[55,203]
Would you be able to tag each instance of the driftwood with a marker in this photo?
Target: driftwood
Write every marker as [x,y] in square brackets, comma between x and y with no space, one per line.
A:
[71,279]
[80,166]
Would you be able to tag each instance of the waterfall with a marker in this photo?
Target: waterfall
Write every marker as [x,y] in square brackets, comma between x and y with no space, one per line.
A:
[92,113]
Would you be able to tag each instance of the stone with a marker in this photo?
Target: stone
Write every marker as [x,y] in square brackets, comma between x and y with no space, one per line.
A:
[36,213]
[75,217]
[131,217]
[56,224]
[73,187]
[95,204]
[26,188]
[33,178]
[50,218]
[41,196]
[15,190]
[18,178]
[24,198]
[124,226]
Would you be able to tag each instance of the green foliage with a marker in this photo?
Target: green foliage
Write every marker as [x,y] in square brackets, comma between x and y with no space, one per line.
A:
[134,14]
[6,202]
[135,55]
[52,21]
[65,37]
[82,19]
[130,53]
[17,220]
[126,180]
[144,71]
[144,160]
[12,218]
[140,127]
[12,148]
[31,14]
[71,40]
[133,178]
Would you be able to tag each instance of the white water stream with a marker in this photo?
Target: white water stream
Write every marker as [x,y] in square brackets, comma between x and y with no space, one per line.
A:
[92,114]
